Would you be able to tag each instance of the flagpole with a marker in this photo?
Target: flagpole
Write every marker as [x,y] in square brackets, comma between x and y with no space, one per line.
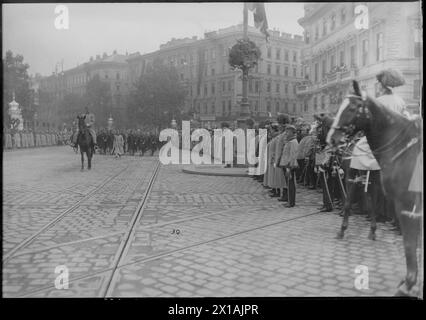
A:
[245,111]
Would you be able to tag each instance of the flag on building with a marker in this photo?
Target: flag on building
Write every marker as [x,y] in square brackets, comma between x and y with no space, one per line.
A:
[259,15]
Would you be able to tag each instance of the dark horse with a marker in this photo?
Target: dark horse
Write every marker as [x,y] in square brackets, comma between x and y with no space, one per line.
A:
[85,142]
[395,143]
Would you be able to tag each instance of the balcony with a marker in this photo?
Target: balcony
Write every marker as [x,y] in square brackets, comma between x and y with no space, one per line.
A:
[300,89]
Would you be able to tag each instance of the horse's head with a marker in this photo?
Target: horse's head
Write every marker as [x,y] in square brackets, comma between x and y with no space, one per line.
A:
[353,116]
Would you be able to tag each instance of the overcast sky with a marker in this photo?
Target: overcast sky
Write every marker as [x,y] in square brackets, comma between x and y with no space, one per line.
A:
[29,29]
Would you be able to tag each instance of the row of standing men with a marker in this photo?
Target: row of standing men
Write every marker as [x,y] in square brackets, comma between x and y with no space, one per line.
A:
[298,155]
[29,139]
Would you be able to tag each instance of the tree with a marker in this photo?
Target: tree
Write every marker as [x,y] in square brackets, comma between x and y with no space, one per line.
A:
[16,80]
[157,98]
[70,106]
[98,98]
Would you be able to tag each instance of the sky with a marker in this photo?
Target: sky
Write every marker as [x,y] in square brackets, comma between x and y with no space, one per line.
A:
[29,29]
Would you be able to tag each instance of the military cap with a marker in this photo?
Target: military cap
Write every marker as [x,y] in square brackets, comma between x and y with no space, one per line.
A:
[390,78]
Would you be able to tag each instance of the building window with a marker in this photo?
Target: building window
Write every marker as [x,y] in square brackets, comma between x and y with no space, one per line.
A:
[117,76]
[343,16]
[278,70]
[324,67]
[213,88]
[286,107]
[230,85]
[269,52]
[268,106]
[322,102]
[305,106]
[256,106]
[333,21]
[342,58]
[294,89]
[223,107]
[315,103]
[294,108]
[213,71]
[277,87]
[286,71]
[294,72]
[332,61]
[229,106]
[418,43]
[286,55]
[416,90]
[268,87]
[256,86]
[324,27]
[286,88]
[379,47]
[294,56]
[364,52]
[353,56]
[223,86]
[181,76]
[250,85]
[205,90]
[316,33]
[268,69]
[316,72]
[278,54]
[277,107]
[213,54]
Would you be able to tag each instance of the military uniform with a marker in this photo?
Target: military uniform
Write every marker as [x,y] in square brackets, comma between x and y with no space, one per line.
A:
[289,162]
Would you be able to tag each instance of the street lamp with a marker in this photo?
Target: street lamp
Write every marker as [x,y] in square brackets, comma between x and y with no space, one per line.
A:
[110,122]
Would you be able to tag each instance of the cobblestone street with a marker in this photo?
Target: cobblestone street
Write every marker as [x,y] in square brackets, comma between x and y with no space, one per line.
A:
[133,228]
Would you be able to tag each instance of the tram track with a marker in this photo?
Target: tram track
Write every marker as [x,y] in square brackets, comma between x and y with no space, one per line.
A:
[7,256]
[107,288]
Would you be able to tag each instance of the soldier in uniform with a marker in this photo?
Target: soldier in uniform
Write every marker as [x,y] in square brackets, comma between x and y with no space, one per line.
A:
[89,120]
[289,162]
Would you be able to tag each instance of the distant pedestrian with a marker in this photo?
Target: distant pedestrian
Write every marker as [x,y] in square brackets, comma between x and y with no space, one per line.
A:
[118,145]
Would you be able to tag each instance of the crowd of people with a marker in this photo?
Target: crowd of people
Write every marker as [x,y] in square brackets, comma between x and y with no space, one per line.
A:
[131,141]
[27,138]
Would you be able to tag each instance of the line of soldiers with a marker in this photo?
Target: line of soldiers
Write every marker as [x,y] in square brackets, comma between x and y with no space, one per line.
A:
[135,141]
[308,162]
[13,139]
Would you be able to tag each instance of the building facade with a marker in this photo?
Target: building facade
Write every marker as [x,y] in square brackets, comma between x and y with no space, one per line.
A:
[214,90]
[111,69]
[337,51]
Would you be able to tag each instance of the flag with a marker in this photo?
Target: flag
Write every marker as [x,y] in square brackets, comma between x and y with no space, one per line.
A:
[259,15]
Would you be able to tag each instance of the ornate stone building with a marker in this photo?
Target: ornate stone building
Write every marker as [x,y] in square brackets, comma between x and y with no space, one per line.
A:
[112,69]
[214,91]
[336,52]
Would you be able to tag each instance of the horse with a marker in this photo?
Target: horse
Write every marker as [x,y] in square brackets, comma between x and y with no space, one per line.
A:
[85,143]
[395,142]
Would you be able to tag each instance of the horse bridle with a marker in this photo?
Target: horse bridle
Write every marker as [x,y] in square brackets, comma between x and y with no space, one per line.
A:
[364,113]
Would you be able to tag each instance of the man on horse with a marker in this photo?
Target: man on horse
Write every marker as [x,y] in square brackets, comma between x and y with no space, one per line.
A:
[89,120]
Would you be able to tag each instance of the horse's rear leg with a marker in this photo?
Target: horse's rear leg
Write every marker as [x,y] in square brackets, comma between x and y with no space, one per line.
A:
[351,187]
[410,227]
[372,205]
[82,161]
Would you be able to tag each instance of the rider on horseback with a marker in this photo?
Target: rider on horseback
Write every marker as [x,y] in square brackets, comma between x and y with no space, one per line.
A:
[89,120]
